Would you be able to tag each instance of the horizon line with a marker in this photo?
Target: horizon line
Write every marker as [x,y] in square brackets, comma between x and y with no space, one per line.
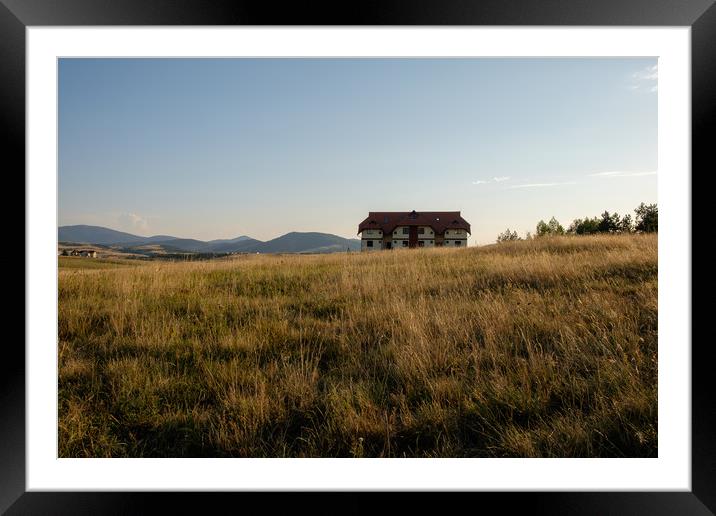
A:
[199,239]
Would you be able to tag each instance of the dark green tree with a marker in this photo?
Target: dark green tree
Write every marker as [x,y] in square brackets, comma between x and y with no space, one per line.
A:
[584,226]
[626,225]
[574,226]
[647,218]
[609,223]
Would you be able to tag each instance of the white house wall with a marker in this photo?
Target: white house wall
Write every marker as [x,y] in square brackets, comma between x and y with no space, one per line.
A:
[398,232]
[455,233]
[399,240]
[453,242]
[372,233]
[428,233]
[377,244]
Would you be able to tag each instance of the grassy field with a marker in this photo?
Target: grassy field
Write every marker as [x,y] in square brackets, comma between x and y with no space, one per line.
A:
[541,348]
[81,262]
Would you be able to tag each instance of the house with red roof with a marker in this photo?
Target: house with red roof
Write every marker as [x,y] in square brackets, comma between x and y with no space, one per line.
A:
[409,229]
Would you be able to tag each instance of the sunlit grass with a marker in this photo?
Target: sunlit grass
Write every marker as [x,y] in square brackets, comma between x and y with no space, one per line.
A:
[83,262]
[537,348]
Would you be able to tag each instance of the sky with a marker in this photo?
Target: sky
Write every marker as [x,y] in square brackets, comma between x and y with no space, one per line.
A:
[218,148]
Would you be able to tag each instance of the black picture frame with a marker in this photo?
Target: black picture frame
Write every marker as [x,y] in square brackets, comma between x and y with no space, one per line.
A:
[700,15]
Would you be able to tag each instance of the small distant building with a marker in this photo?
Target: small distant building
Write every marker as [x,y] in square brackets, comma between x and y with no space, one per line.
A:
[87,253]
[410,229]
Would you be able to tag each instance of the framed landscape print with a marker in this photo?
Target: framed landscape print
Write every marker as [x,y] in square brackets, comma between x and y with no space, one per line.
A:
[410,250]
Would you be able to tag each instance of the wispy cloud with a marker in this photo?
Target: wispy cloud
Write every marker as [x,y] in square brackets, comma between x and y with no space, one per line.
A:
[132,222]
[498,179]
[623,173]
[645,79]
[650,73]
[541,185]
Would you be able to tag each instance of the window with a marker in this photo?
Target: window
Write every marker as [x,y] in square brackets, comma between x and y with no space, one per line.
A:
[405,244]
[431,241]
[421,231]
[457,242]
[369,243]
[405,231]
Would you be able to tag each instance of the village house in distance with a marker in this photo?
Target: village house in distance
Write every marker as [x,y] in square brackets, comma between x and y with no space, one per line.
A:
[88,253]
[408,229]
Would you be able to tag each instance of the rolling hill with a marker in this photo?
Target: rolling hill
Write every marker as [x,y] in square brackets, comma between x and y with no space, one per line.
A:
[298,242]
[294,242]
[97,235]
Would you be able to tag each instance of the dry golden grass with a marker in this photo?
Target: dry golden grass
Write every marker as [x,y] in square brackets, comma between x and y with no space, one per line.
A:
[539,348]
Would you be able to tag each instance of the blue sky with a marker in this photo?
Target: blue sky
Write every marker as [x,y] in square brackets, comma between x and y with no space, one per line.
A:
[217,148]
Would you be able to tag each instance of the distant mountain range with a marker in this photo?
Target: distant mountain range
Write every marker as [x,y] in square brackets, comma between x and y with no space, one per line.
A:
[295,242]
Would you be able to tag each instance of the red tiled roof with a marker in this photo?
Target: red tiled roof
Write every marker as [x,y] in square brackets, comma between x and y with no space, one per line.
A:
[438,220]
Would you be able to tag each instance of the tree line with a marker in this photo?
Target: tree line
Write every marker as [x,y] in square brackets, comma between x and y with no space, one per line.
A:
[645,220]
